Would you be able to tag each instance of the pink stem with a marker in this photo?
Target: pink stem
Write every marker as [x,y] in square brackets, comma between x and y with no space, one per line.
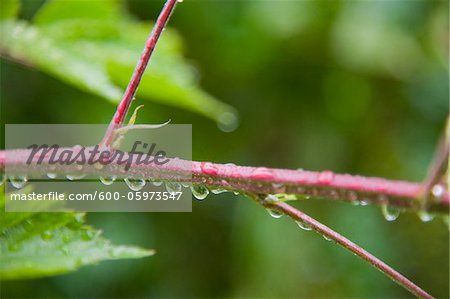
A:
[349,245]
[128,96]
[257,180]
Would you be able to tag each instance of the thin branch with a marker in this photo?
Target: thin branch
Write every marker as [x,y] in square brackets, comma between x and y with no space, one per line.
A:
[349,245]
[439,166]
[128,96]
[257,180]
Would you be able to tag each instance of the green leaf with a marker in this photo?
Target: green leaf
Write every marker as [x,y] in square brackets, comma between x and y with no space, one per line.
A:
[160,87]
[94,45]
[169,81]
[9,9]
[28,43]
[43,244]
[8,220]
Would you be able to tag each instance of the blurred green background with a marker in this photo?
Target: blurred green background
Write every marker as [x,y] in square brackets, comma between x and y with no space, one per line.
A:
[358,87]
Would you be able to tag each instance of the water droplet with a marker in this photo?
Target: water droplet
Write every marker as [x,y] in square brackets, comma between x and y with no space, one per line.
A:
[218,190]
[200,192]
[326,238]
[74,177]
[157,183]
[425,216]
[186,184]
[108,180]
[437,191]
[173,187]
[303,225]
[2,179]
[52,175]
[135,184]
[390,213]
[300,169]
[228,122]
[364,202]
[271,198]
[18,181]
[179,1]
[47,235]
[274,213]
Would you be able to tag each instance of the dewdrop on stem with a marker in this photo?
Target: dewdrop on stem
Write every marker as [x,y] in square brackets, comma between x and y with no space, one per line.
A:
[135,184]
[157,183]
[438,191]
[390,213]
[303,225]
[199,192]
[74,177]
[274,213]
[228,121]
[52,175]
[218,190]
[18,181]
[108,180]
[425,216]
[173,187]
[326,238]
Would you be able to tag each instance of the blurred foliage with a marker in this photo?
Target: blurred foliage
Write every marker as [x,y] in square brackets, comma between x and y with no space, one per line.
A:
[352,86]
[43,244]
